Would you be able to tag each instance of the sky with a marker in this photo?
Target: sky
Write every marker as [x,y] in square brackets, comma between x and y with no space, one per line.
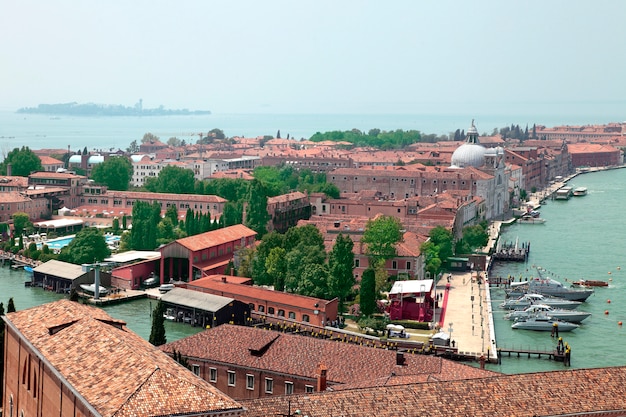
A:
[343,57]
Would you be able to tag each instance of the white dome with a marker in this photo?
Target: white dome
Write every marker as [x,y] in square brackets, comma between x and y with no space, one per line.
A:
[469,154]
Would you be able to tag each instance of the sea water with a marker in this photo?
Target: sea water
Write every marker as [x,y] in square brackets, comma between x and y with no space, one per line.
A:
[583,237]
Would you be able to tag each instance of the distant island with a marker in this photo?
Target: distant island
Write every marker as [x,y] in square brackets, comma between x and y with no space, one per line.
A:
[92,109]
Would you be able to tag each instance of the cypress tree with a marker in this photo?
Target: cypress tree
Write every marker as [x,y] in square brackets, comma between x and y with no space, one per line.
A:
[11,306]
[157,333]
[368,292]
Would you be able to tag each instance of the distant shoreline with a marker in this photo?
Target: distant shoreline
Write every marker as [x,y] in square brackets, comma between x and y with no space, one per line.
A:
[91,109]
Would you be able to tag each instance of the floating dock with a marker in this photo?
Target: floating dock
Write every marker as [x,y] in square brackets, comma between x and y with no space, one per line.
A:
[511,251]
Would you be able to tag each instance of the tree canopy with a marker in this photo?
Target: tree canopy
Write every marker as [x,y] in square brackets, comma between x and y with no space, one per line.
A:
[115,173]
[172,179]
[376,138]
[381,236]
[89,245]
[23,161]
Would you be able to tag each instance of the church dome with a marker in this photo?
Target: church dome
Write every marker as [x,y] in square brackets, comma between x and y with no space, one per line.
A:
[471,153]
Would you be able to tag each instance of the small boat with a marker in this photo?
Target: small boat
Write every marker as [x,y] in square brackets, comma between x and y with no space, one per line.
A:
[169,314]
[165,288]
[28,269]
[151,281]
[91,288]
[527,300]
[579,191]
[529,218]
[544,323]
[571,316]
[585,283]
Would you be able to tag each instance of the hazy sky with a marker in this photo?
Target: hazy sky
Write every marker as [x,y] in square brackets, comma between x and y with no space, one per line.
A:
[317,56]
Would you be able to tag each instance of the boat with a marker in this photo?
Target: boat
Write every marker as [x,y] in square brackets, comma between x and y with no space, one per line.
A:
[527,300]
[544,323]
[528,218]
[169,314]
[548,286]
[571,316]
[579,191]
[91,288]
[585,283]
[28,269]
[165,288]
[563,193]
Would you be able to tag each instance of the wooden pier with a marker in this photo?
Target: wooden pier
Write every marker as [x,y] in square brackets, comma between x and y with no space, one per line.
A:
[558,355]
[511,251]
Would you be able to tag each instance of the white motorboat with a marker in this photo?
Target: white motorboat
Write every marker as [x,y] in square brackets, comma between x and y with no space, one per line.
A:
[571,316]
[527,300]
[580,191]
[543,323]
[550,287]
[91,289]
[530,219]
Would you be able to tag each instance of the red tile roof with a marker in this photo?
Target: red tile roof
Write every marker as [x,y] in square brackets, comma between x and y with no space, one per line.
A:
[113,369]
[298,355]
[215,237]
[277,297]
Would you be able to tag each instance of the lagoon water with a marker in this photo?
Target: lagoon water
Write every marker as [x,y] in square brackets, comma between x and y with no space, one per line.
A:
[583,237]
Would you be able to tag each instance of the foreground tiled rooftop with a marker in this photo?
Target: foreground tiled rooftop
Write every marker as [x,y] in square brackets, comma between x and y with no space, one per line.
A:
[298,355]
[582,392]
[114,370]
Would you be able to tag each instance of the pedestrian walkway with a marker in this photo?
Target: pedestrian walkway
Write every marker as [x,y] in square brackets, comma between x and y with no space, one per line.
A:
[468,317]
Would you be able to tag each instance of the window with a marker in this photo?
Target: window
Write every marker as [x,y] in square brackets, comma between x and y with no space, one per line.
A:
[251,305]
[261,309]
[281,313]
[292,315]
[270,310]
[408,265]
[398,210]
[357,263]
[212,375]
[308,389]
[231,378]
[269,385]
[196,369]
[394,264]
[305,318]
[249,381]
[288,388]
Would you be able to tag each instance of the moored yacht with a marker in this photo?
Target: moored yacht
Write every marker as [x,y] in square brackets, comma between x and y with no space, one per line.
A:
[543,323]
[571,316]
[527,300]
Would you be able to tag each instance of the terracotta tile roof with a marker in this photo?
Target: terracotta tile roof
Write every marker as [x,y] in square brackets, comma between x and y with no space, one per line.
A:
[298,355]
[116,371]
[13,197]
[226,288]
[589,148]
[581,392]
[284,198]
[215,237]
[48,160]
[139,195]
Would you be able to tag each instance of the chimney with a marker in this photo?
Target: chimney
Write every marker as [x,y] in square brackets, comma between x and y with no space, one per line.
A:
[9,170]
[400,360]
[223,279]
[321,377]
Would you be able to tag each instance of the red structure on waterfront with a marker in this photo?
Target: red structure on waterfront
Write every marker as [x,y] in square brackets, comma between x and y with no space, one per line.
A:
[412,300]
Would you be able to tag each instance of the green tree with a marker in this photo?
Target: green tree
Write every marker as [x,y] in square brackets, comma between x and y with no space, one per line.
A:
[21,222]
[232,214]
[443,239]
[381,237]
[172,179]
[268,242]
[89,245]
[173,141]
[341,264]
[157,332]
[257,216]
[11,306]
[23,161]
[116,225]
[367,295]
[166,232]
[149,137]
[172,214]
[146,217]
[115,173]
[276,266]
[133,147]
